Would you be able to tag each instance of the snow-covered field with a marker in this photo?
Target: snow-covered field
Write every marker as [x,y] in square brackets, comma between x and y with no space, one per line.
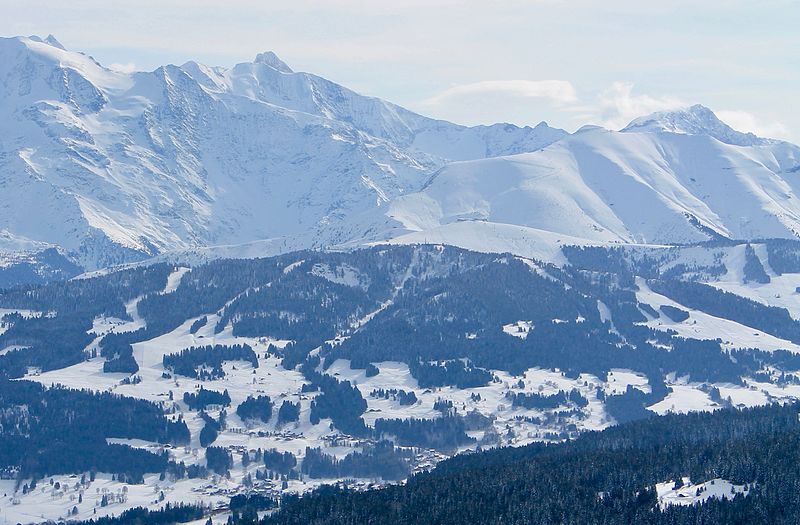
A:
[781,291]
[701,325]
[689,493]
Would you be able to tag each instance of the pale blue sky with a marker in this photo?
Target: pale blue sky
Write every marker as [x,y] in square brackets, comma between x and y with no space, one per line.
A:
[566,62]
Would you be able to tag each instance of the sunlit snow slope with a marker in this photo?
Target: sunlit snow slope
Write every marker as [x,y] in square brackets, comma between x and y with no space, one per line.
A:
[669,178]
[114,167]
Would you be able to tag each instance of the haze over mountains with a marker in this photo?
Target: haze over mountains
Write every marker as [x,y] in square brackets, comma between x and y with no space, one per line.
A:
[111,167]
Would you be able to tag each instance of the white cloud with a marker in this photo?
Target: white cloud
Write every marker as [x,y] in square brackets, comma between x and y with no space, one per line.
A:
[528,101]
[128,67]
[558,91]
[745,121]
[521,102]
[618,105]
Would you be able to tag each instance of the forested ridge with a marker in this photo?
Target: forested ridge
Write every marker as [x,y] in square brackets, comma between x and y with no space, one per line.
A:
[605,477]
[444,318]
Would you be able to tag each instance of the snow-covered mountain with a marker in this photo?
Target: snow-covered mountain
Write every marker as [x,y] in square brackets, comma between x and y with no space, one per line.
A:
[113,167]
[572,308]
[196,161]
[672,177]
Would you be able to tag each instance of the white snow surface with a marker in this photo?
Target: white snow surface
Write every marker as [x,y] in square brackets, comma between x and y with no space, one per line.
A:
[687,494]
[258,159]
[519,329]
[117,166]
[635,186]
[695,120]
[701,325]
[781,291]
[490,237]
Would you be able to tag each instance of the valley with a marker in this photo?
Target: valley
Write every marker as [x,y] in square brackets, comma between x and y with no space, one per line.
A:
[600,347]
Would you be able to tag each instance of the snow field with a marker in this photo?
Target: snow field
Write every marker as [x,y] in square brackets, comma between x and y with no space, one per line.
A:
[689,493]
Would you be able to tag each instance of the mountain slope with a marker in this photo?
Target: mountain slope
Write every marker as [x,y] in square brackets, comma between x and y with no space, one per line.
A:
[115,167]
[642,185]
[621,475]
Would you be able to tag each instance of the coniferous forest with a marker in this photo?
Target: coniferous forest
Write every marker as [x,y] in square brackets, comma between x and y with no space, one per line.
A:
[436,321]
[606,477]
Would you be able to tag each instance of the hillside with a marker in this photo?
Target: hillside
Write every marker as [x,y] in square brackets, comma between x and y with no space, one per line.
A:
[281,374]
[676,469]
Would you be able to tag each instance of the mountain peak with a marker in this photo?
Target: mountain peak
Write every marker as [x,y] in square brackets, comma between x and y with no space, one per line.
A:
[271,59]
[693,120]
[49,40]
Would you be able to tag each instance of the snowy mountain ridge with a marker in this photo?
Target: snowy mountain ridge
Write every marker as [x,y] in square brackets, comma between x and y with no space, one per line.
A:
[695,120]
[114,167]
[257,159]
[645,184]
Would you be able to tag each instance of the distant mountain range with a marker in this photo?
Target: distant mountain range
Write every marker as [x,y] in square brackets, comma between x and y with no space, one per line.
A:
[113,167]
[105,167]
